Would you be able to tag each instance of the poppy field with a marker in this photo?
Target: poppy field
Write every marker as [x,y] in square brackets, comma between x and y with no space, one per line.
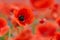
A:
[29,19]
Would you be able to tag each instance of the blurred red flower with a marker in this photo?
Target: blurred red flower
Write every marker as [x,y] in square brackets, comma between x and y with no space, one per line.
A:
[58,21]
[54,12]
[3,27]
[47,29]
[42,3]
[24,35]
[57,36]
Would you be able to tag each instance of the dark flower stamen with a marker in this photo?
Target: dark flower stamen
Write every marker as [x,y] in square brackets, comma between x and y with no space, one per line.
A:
[21,18]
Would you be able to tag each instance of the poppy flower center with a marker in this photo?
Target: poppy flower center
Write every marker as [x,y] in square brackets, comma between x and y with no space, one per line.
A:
[21,18]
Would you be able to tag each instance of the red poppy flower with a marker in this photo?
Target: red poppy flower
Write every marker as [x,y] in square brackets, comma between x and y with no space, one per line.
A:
[3,27]
[58,21]
[52,28]
[57,36]
[54,13]
[47,29]
[42,3]
[24,16]
[42,30]
[24,35]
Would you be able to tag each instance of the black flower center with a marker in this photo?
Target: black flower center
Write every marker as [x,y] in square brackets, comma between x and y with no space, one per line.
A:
[21,18]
